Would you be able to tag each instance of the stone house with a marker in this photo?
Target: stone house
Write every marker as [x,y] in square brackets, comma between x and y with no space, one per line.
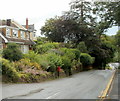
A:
[13,32]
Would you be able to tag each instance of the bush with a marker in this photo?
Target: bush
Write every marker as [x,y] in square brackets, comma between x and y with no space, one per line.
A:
[12,52]
[77,53]
[33,57]
[56,51]
[44,62]
[48,60]
[86,59]
[54,61]
[46,47]
[24,64]
[108,67]
[68,53]
[0,63]
[0,68]
[82,47]
[9,71]
[66,62]
[119,67]
[66,65]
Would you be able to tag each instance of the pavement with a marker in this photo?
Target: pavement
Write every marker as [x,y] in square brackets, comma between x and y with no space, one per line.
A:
[83,85]
[114,92]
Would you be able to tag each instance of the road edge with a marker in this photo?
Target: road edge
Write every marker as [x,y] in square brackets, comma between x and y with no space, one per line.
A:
[105,91]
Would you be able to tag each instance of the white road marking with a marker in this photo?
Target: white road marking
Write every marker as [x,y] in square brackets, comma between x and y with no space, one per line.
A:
[52,95]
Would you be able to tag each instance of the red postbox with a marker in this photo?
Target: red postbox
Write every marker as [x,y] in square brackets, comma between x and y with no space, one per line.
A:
[58,69]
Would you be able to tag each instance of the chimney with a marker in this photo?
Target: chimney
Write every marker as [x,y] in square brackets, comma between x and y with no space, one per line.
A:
[26,23]
[8,22]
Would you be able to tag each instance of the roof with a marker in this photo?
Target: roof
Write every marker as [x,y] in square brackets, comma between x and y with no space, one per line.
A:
[30,27]
[4,22]
[13,24]
[18,25]
[3,38]
[20,41]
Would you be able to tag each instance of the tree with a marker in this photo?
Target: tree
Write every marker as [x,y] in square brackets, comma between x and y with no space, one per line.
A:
[108,13]
[117,37]
[12,52]
[59,30]
[103,53]
[81,12]
[85,22]
[113,9]
[86,59]
[109,50]
[82,47]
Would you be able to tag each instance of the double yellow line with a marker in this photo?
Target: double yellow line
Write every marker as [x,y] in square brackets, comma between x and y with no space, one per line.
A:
[104,92]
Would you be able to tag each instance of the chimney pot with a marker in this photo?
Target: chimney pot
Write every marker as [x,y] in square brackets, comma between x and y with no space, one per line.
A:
[26,23]
[8,22]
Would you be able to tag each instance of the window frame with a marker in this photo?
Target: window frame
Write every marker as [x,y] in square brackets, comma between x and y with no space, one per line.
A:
[8,34]
[13,33]
[22,34]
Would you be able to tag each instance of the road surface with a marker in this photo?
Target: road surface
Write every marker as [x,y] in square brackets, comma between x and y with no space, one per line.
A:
[114,92]
[84,85]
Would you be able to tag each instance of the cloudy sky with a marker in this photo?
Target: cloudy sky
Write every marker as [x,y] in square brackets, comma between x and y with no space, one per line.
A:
[37,11]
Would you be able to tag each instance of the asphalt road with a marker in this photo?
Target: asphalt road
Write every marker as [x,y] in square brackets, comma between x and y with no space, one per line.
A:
[114,92]
[84,85]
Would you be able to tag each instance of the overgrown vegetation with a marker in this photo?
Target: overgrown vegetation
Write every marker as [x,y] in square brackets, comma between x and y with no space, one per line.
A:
[74,41]
[9,71]
[34,65]
[86,59]
[12,52]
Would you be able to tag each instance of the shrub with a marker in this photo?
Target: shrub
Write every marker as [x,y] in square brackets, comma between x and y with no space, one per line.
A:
[77,53]
[46,47]
[12,52]
[66,65]
[9,71]
[68,53]
[33,57]
[56,51]
[82,47]
[0,67]
[30,77]
[108,67]
[86,59]
[66,62]
[41,49]
[24,64]
[118,67]
[44,62]
[54,61]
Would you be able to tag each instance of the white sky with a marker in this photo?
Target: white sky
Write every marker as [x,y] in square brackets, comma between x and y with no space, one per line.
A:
[37,11]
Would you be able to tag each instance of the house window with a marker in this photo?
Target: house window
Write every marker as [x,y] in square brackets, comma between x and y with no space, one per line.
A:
[15,33]
[7,32]
[34,35]
[27,35]
[31,36]
[22,34]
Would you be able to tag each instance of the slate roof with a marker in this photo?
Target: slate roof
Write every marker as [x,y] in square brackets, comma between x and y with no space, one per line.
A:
[16,40]
[25,42]
[31,28]
[13,24]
